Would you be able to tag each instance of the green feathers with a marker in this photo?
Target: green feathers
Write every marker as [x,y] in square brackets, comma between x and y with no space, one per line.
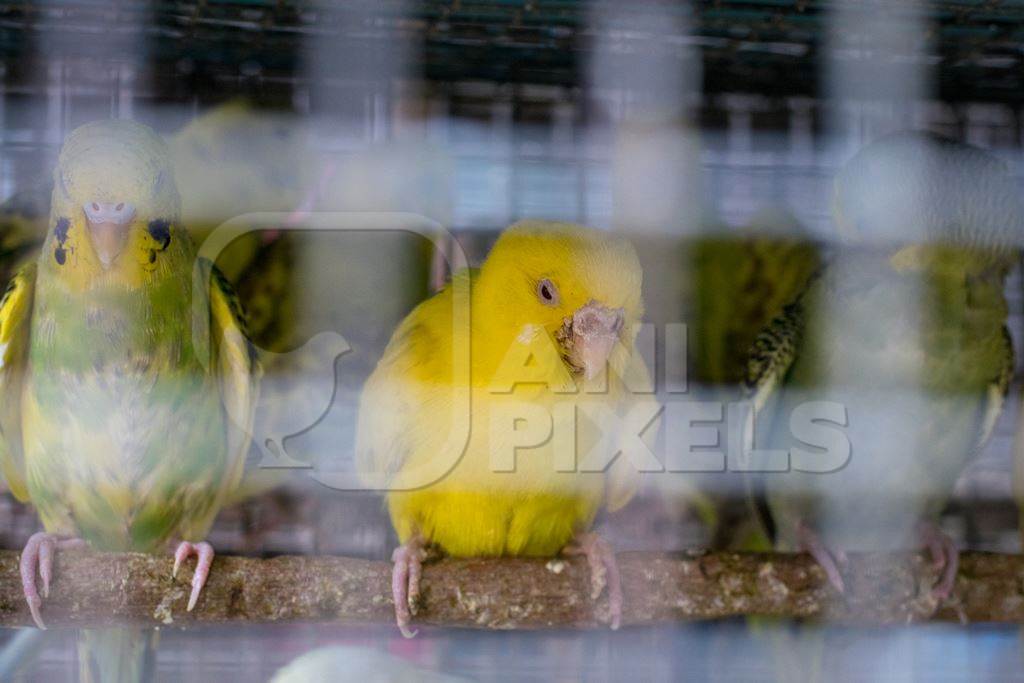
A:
[127,380]
[907,336]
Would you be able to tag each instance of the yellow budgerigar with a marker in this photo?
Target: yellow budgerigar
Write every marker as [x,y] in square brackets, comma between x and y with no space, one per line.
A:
[125,400]
[546,359]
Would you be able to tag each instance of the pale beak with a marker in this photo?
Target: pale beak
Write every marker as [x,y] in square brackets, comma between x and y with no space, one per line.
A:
[595,331]
[108,228]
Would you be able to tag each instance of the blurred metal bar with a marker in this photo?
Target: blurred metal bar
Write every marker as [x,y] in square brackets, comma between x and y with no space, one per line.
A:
[359,54]
[643,75]
[878,67]
[645,52]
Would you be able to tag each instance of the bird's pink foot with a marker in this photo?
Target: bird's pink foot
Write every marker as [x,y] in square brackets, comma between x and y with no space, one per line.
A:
[405,581]
[38,556]
[944,555]
[604,570]
[204,559]
[829,560]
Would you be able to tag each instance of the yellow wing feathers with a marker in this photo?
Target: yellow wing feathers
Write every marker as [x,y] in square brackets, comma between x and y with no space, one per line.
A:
[413,372]
[554,306]
[15,314]
[238,375]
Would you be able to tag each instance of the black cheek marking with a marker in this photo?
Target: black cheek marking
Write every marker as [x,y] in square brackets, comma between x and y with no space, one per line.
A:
[152,256]
[61,231]
[11,286]
[60,255]
[160,230]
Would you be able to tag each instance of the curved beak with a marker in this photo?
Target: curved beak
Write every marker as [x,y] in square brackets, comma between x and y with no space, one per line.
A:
[595,331]
[108,228]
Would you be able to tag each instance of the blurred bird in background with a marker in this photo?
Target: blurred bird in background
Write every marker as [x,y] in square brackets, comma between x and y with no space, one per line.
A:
[237,159]
[887,374]
[710,287]
[907,332]
[740,281]
[353,285]
[22,228]
[553,307]
[103,358]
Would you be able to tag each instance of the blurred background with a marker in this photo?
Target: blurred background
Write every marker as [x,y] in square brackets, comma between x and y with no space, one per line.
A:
[679,123]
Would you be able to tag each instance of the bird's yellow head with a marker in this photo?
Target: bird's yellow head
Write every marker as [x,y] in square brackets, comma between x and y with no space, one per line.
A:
[580,286]
[115,211]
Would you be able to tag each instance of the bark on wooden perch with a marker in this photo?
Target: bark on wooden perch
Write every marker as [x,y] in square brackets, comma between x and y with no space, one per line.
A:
[97,588]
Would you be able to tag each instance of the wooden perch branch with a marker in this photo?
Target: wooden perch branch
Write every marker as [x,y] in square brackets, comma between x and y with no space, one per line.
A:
[96,588]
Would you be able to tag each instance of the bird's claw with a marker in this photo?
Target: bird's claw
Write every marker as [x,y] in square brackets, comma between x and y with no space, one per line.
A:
[405,582]
[38,556]
[945,557]
[604,571]
[830,561]
[204,560]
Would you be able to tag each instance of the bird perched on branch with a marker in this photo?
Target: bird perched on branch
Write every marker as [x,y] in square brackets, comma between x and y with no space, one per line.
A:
[488,418]
[894,363]
[126,383]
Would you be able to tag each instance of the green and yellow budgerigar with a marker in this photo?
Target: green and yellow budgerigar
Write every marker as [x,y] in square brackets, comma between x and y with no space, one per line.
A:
[741,281]
[236,159]
[125,400]
[230,160]
[898,353]
[553,307]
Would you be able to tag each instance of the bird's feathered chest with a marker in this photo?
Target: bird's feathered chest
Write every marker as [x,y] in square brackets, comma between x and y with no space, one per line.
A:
[118,412]
[112,327]
[912,360]
[506,493]
[928,331]
[114,355]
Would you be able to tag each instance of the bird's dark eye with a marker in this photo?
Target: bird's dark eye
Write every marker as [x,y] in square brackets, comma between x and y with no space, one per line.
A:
[547,293]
